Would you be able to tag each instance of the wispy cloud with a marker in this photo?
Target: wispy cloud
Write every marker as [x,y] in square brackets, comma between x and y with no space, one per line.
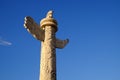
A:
[4,42]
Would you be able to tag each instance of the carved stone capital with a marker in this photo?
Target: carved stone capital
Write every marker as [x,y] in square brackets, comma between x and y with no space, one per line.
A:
[49,21]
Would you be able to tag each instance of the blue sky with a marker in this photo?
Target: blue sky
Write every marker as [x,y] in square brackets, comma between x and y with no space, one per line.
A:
[93,27]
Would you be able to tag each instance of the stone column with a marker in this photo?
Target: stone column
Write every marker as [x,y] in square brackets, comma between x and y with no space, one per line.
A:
[48,52]
[46,34]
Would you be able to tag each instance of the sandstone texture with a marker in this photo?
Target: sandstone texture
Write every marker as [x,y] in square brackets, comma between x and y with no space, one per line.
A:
[46,34]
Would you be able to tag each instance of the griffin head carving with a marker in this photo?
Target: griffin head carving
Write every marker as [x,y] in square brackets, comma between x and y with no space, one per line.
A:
[49,14]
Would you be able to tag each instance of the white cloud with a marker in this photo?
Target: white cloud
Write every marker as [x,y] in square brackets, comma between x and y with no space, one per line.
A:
[5,43]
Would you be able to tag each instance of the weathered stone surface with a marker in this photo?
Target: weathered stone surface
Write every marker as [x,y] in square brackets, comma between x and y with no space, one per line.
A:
[46,34]
[48,52]
[61,43]
[49,21]
[34,28]
[48,55]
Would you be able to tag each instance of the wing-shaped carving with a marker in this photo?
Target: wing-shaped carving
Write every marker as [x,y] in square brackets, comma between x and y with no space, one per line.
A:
[61,43]
[33,28]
